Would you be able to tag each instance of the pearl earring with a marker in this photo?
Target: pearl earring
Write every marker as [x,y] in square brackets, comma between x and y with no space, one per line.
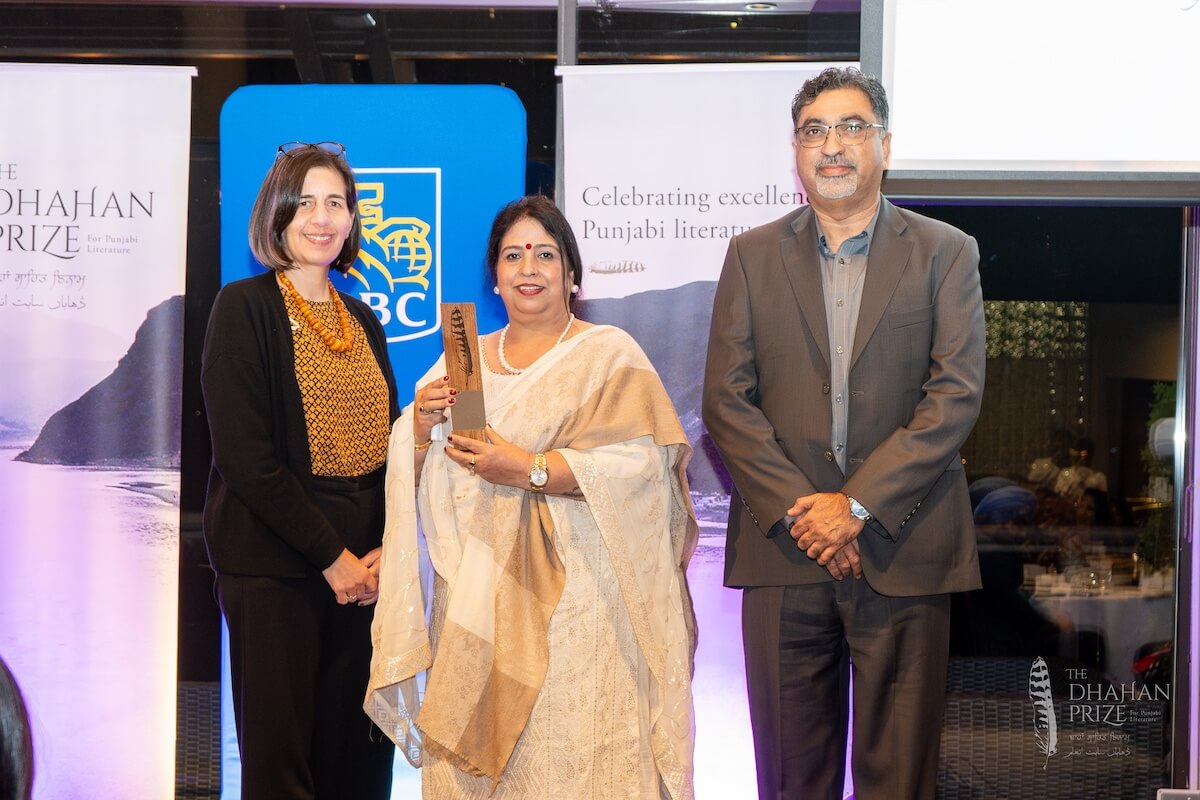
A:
[575,288]
[495,290]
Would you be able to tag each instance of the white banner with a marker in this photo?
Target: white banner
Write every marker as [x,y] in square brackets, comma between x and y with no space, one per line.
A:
[663,164]
[93,221]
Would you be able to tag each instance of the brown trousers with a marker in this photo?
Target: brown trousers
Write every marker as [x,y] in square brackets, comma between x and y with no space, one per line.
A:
[802,643]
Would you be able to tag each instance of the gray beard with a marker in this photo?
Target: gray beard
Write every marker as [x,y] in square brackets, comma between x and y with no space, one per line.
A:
[837,188]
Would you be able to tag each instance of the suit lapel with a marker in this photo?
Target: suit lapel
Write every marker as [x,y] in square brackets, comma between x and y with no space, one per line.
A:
[803,270]
[885,264]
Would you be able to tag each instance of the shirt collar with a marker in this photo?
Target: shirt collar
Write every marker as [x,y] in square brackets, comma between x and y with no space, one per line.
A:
[855,245]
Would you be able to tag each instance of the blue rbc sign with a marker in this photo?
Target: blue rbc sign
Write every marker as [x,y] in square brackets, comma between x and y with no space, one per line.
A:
[433,165]
[398,272]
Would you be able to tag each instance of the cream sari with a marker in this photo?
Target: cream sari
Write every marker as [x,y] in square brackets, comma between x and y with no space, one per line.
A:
[563,629]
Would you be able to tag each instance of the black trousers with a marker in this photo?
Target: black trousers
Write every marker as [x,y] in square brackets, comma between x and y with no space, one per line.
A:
[801,644]
[300,664]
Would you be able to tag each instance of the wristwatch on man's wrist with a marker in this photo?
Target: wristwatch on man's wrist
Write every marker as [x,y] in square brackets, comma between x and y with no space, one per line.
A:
[857,510]
[539,474]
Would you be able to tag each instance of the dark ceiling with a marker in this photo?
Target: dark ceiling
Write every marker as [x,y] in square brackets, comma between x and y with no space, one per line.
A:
[233,46]
[329,35]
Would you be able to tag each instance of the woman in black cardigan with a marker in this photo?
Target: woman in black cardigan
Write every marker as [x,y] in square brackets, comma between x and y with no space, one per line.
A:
[300,399]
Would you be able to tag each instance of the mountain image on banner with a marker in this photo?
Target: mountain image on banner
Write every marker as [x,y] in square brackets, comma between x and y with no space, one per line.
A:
[676,343]
[118,423]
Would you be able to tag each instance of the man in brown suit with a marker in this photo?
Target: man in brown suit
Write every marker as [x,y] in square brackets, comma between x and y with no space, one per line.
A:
[845,368]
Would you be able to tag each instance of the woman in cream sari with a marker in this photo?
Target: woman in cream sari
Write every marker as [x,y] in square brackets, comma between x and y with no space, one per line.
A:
[562,635]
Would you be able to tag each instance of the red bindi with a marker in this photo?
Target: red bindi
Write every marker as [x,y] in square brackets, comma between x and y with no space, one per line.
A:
[528,246]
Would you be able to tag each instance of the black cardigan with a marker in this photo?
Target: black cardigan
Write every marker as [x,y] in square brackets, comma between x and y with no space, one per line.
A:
[259,516]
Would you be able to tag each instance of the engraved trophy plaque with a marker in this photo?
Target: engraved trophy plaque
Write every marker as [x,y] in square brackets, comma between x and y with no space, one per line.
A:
[464,366]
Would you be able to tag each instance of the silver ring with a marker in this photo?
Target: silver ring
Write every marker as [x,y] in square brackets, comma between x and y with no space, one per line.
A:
[471,465]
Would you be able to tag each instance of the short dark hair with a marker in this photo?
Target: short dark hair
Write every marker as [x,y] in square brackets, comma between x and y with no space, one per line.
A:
[842,78]
[278,199]
[542,210]
[16,742]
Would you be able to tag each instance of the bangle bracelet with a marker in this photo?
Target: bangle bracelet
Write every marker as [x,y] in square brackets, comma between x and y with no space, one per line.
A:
[423,446]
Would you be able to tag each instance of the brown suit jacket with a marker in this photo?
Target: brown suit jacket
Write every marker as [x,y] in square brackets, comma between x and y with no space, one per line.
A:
[916,378]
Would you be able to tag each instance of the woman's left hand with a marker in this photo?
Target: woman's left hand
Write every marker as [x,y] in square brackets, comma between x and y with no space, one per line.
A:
[497,460]
[372,561]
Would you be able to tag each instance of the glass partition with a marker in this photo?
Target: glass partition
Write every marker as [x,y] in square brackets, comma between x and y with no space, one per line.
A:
[1061,671]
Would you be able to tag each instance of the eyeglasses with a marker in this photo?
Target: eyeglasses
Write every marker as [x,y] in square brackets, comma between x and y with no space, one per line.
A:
[815,134]
[290,149]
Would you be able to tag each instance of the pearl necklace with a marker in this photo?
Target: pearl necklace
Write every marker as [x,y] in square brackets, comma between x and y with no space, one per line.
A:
[509,368]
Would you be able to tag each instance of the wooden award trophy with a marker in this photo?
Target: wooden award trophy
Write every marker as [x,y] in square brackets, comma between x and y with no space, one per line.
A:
[465,368]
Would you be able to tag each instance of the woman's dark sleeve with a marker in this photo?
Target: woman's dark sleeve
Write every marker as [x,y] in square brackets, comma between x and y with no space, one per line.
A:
[237,395]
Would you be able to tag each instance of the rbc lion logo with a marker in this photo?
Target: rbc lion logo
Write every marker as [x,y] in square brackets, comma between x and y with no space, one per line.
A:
[398,271]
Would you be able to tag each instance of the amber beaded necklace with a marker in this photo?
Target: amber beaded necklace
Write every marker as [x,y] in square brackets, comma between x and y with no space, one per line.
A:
[338,344]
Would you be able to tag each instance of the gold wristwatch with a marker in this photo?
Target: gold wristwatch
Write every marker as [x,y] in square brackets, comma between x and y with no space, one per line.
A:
[539,474]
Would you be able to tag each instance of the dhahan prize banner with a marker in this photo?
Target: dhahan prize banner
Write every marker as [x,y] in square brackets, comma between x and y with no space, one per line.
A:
[93,217]
[663,164]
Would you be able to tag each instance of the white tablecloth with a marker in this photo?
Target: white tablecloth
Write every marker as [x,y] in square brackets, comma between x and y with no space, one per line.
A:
[1127,618]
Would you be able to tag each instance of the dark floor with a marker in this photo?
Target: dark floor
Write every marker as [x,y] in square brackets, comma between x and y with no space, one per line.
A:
[989,750]
[198,741]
